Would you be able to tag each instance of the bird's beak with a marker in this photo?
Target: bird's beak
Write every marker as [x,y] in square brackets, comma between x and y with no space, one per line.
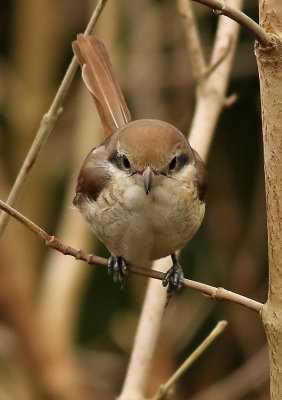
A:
[148,176]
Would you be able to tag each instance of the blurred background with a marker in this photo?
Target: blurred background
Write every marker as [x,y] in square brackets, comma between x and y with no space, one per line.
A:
[65,325]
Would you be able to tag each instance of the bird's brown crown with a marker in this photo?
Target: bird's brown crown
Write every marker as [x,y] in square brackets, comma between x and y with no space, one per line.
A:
[149,142]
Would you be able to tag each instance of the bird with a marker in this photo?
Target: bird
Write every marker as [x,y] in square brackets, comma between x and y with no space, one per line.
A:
[142,191]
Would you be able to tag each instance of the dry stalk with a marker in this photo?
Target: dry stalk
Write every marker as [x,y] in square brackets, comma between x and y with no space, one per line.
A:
[165,388]
[47,124]
[210,101]
[246,379]
[195,50]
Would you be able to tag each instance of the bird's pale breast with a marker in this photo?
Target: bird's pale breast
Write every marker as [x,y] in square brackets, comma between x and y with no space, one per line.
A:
[142,227]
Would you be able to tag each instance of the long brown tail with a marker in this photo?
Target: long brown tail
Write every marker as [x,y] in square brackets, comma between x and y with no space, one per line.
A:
[98,76]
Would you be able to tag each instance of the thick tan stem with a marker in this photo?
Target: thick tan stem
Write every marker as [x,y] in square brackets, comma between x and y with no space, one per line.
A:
[270,72]
[145,340]
[209,96]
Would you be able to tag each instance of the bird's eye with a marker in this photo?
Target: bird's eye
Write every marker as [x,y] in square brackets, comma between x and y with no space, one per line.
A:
[126,162]
[172,164]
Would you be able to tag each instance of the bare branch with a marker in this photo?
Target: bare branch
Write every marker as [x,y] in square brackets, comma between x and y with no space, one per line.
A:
[221,8]
[218,293]
[54,243]
[195,49]
[47,124]
[230,100]
[51,241]
[221,58]
[165,388]
[244,380]
[211,91]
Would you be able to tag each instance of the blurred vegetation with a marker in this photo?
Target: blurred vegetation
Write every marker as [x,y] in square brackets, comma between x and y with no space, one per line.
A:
[147,44]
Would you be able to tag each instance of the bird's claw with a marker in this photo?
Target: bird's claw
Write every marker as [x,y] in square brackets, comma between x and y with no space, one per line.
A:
[118,268]
[173,279]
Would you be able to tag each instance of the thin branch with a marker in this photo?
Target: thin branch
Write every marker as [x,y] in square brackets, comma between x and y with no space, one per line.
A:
[51,241]
[54,243]
[221,58]
[166,387]
[197,58]
[199,67]
[247,378]
[47,124]
[230,100]
[211,91]
[221,8]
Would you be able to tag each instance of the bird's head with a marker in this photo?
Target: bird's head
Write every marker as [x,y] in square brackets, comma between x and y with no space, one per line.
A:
[150,149]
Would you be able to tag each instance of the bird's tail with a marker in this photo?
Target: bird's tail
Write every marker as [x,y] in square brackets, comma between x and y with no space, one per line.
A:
[98,77]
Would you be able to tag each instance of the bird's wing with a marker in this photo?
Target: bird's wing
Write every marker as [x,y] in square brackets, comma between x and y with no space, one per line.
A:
[98,77]
[93,177]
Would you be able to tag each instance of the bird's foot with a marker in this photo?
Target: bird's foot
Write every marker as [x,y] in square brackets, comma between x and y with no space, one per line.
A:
[173,279]
[118,268]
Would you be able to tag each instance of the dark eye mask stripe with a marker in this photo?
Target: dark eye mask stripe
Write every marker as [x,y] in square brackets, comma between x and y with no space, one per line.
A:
[116,159]
[182,159]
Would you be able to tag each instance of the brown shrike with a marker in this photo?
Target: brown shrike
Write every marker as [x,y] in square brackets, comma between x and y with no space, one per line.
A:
[142,190]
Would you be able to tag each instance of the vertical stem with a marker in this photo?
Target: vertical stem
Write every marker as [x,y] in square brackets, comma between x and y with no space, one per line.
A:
[270,73]
[197,58]
[210,96]
[136,380]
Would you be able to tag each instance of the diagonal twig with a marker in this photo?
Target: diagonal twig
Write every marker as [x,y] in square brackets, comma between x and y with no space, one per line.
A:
[246,379]
[221,8]
[54,243]
[47,124]
[165,388]
[221,58]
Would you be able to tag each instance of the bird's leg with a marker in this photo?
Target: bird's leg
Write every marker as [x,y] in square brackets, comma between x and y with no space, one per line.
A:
[118,268]
[173,278]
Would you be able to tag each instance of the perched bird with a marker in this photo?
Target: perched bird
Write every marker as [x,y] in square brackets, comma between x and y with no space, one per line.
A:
[142,190]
